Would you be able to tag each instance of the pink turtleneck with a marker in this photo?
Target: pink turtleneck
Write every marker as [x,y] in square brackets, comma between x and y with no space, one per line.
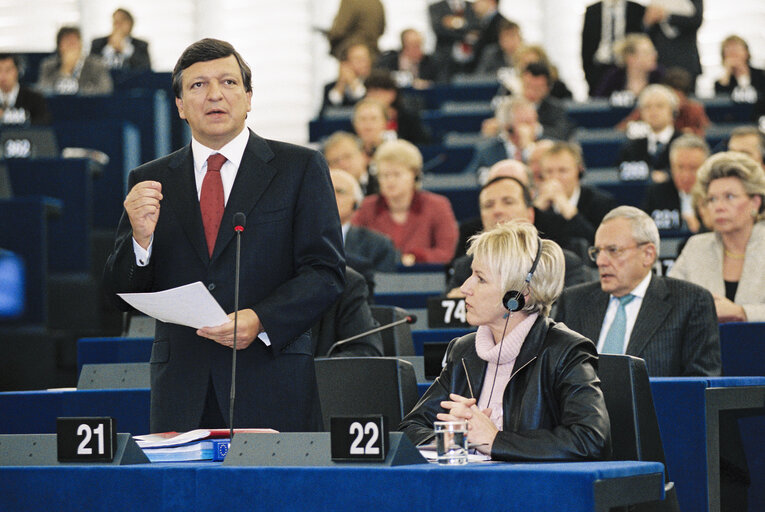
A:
[489,351]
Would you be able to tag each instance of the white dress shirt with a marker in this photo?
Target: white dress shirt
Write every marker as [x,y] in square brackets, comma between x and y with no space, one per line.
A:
[632,309]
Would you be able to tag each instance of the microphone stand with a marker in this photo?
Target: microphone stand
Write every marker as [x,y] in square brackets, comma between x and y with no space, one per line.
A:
[238,227]
[409,319]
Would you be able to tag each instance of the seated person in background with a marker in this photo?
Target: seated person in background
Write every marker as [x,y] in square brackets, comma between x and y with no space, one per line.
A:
[499,56]
[370,122]
[562,192]
[519,129]
[606,22]
[547,404]
[502,199]
[668,322]
[410,66]
[670,204]
[729,261]
[19,104]
[456,28]
[636,68]
[69,71]
[364,248]
[748,140]
[355,66]
[691,116]
[420,223]
[345,151]
[120,50]
[489,21]
[403,119]
[537,82]
[573,234]
[537,151]
[348,316]
[646,154]
[740,80]
[511,83]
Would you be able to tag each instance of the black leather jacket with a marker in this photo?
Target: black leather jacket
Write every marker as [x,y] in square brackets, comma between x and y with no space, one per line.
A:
[553,406]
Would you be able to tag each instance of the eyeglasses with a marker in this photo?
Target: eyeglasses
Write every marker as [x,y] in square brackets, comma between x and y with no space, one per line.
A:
[728,198]
[611,251]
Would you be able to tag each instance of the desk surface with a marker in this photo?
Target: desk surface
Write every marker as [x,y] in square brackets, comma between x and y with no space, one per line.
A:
[571,487]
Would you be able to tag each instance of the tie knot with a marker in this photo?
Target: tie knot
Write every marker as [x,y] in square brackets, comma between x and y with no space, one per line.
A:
[623,301]
[215,162]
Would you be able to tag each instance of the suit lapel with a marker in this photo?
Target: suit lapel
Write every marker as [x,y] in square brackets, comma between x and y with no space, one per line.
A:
[180,192]
[653,312]
[252,180]
[592,311]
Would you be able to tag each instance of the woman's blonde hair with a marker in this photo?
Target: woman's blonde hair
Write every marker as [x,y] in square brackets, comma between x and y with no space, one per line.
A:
[628,46]
[732,164]
[400,152]
[509,250]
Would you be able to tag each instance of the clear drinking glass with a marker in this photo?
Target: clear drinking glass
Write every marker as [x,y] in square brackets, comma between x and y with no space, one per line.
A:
[451,441]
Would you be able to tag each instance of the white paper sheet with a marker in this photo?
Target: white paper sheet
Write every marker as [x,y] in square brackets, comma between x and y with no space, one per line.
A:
[190,305]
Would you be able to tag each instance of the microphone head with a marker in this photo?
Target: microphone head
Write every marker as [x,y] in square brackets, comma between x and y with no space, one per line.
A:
[411,319]
[239,221]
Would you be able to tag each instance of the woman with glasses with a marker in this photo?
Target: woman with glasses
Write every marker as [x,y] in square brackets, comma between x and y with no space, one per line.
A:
[527,386]
[729,261]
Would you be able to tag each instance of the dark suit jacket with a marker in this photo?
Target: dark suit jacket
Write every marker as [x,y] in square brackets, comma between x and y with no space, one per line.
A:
[636,150]
[35,105]
[372,247]
[348,316]
[594,204]
[446,37]
[756,77]
[591,32]
[681,51]
[662,203]
[428,69]
[555,122]
[140,60]
[489,35]
[292,270]
[675,332]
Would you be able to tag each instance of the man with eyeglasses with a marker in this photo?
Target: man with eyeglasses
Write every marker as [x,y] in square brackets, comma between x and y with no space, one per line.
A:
[669,323]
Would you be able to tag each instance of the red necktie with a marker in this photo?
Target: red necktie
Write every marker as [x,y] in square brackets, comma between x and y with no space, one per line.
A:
[211,199]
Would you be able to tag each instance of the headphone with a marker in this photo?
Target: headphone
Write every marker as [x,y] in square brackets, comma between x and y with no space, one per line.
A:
[513,300]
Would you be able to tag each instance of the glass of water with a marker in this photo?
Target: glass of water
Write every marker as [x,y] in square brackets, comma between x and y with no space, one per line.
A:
[451,441]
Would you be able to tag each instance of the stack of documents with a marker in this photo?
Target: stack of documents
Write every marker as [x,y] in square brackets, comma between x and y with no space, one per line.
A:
[195,445]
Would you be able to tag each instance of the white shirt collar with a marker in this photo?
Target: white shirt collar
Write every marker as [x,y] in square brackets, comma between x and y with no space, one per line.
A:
[640,289]
[9,98]
[233,150]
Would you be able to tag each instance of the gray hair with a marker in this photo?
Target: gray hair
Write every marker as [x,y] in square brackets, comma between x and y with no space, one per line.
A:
[643,226]
[688,141]
[659,90]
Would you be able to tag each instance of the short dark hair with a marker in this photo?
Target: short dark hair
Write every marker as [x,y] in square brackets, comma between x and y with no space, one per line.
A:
[539,68]
[67,31]
[528,201]
[125,13]
[206,50]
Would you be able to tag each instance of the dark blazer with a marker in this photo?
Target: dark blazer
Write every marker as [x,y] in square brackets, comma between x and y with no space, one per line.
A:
[756,77]
[446,37]
[35,105]
[555,122]
[292,270]
[553,407]
[675,331]
[348,316]
[372,247]
[591,32]
[140,60]
[594,204]
[428,69]
[681,51]
[636,150]
[487,153]
[662,203]
[489,35]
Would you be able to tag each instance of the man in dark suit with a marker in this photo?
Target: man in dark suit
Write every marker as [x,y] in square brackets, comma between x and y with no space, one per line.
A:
[674,36]
[489,19]
[19,104]
[669,323]
[177,229]
[599,33]
[456,27]
[120,50]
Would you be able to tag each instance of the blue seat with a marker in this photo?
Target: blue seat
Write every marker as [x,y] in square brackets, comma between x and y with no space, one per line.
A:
[742,346]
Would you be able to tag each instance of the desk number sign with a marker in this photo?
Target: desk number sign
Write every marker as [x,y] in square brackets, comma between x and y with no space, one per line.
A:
[86,439]
[444,312]
[359,438]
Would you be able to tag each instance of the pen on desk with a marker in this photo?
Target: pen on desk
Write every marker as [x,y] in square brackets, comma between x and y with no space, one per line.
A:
[467,377]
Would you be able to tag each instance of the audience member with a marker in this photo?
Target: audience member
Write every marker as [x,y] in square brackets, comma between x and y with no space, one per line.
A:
[562,192]
[355,66]
[364,248]
[69,71]
[552,409]
[636,68]
[511,83]
[729,261]
[420,223]
[670,203]
[646,154]
[19,104]
[536,81]
[403,119]
[667,322]
[370,122]
[489,21]
[410,66]
[503,199]
[740,80]
[456,28]
[674,36]
[345,151]
[499,56]
[605,23]
[537,151]
[348,316]
[356,22]
[120,50]
[748,140]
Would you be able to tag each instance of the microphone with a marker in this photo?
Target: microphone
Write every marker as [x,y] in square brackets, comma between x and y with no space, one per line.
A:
[239,221]
[409,319]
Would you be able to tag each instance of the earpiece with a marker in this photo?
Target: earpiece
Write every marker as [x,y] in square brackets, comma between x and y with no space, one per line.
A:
[514,300]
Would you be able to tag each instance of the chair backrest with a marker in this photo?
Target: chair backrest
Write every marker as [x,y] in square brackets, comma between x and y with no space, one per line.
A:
[397,341]
[354,386]
[742,347]
[634,428]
